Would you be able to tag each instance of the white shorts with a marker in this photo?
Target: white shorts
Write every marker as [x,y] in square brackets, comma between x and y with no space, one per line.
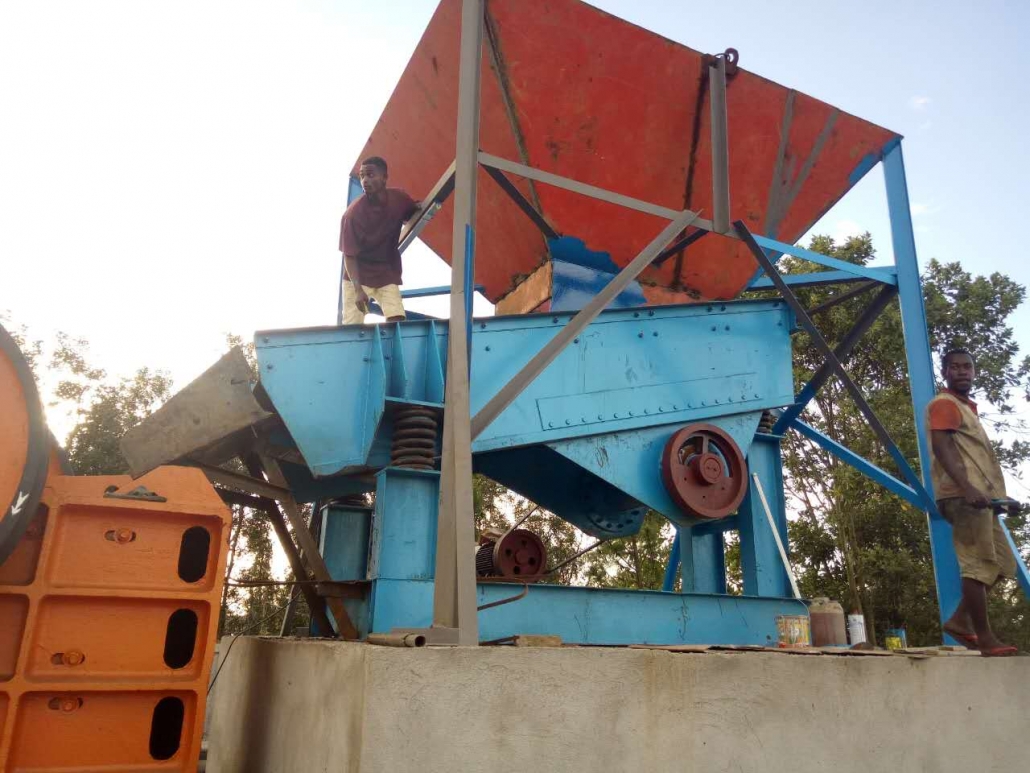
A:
[388,297]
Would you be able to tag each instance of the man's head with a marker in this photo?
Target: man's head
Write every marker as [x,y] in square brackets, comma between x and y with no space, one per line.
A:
[373,175]
[959,369]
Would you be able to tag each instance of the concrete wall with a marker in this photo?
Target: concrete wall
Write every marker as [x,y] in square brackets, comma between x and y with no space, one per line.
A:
[288,706]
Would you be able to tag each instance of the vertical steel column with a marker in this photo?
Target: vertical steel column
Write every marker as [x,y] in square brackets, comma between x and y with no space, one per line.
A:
[470,271]
[720,147]
[707,564]
[454,594]
[1022,573]
[760,560]
[669,583]
[920,365]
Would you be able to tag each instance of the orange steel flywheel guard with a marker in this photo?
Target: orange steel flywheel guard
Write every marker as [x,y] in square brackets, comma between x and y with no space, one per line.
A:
[108,616]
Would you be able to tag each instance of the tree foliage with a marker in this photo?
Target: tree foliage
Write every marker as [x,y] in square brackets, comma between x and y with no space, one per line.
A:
[256,609]
[637,561]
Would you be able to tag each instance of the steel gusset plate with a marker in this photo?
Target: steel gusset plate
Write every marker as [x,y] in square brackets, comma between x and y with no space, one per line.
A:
[704,471]
[24,444]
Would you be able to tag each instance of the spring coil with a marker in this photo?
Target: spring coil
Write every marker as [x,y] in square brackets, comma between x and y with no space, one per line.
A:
[415,432]
[766,423]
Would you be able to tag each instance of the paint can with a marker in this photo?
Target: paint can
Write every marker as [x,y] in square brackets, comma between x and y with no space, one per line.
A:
[856,629]
[896,639]
[794,631]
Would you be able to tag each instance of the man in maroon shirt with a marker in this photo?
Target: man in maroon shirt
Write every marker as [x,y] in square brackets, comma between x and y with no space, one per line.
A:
[369,232]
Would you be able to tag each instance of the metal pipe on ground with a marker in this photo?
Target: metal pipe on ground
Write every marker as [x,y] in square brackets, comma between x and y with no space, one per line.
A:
[397,639]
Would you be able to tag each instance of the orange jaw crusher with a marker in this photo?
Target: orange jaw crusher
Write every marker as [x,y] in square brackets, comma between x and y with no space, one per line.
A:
[109,600]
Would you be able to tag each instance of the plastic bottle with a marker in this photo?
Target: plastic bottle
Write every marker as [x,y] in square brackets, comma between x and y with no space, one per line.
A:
[856,628]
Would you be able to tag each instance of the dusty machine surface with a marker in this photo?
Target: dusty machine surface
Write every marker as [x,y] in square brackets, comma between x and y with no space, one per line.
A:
[110,591]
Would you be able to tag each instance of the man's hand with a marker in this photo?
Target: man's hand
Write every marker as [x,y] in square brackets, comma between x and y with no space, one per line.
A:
[361,298]
[975,497]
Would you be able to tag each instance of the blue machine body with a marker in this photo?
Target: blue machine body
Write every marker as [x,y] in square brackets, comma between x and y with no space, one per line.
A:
[584,440]
[579,273]
[587,434]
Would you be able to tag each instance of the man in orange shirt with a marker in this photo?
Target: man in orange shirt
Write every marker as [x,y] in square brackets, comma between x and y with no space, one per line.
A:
[966,477]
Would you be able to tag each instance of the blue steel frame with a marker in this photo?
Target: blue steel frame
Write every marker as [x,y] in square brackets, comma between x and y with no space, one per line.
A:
[920,368]
[905,275]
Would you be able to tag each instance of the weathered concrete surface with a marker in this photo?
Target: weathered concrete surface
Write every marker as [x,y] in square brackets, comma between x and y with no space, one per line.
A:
[296,706]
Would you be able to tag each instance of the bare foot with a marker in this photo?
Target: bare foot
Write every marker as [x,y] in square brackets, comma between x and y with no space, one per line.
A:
[962,634]
[991,643]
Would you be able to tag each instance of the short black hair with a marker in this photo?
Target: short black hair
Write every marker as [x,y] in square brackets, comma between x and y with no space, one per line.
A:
[952,352]
[376,161]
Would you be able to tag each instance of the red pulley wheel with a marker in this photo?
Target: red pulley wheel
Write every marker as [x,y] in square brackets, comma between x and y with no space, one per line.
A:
[23,445]
[704,471]
[520,554]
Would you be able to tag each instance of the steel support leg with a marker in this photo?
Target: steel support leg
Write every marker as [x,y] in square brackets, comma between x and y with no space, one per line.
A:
[454,594]
[1022,573]
[920,367]
[706,568]
[669,583]
[720,146]
[760,560]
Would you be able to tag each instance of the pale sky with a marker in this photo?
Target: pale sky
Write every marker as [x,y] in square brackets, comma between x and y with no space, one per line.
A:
[171,172]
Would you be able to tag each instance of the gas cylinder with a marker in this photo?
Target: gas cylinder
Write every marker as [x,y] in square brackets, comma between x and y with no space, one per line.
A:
[829,627]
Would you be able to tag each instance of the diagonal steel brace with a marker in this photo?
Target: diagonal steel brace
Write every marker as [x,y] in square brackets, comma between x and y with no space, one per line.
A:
[822,375]
[817,338]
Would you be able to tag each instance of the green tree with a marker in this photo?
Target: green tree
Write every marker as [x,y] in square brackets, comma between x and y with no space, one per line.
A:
[31,349]
[637,561]
[102,409]
[111,410]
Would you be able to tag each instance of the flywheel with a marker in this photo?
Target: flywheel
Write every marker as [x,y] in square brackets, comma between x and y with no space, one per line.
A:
[704,471]
[24,445]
